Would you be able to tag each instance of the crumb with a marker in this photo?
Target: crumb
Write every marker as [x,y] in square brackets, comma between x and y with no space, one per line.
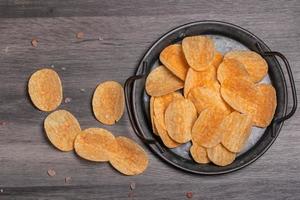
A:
[82,90]
[130,194]
[100,38]
[79,35]
[189,195]
[3,123]
[63,68]
[68,179]
[34,42]
[51,172]
[132,185]
[68,100]
[1,190]
[52,66]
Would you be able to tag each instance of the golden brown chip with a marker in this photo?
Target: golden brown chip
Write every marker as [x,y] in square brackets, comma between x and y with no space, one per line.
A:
[217,60]
[231,68]
[164,136]
[61,129]
[179,118]
[152,115]
[199,79]
[219,155]
[240,94]
[161,81]
[205,130]
[160,105]
[45,89]
[207,97]
[173,58]
[256,66]
[129,158]
[95,144]
[266,105]
[199,51]
[108,102]
[246,97]
[236,129]
[199,154]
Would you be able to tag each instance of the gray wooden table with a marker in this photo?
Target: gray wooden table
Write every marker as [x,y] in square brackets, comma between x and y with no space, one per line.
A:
[126,29]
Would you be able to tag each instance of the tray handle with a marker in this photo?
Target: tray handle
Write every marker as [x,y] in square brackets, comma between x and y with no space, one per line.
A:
[129,105]
[291,79]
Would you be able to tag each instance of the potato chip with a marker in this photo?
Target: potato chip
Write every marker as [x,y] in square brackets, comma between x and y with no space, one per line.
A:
[199,51]
[199,154]
[231,68]
[179,118]
[220,156]
[172,57]
[152,116]
[129,158]
[45,89]
[236,129]
[217,60]
[61,129]
[266,105]
[256,66]
[207,97]
[199,79]
[240,94]
[95,144]
[205,130]
[108,102]
[246,97]
[160,105]
[161,81]
[164,136]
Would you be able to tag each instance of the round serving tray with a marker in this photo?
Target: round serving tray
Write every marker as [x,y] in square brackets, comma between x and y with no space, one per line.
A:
[227,37]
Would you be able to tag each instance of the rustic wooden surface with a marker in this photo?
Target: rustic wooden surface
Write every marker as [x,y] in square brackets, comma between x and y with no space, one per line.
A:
[127,29]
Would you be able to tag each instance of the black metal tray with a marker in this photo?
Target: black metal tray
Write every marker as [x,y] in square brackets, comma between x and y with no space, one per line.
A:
[229,36]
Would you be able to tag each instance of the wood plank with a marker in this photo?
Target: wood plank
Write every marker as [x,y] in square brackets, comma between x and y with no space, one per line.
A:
[70,8]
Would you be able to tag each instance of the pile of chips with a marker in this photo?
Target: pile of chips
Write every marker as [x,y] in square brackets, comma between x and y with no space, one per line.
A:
[94,144]
[199,95]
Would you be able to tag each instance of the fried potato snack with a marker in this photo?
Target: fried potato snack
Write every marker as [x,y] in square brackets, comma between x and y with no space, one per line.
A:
[161,81]
[199,51]
[236,129]
[45,89]
[61,128]
[172,57]
[129,157]
[179,118]
[108,102]
[95,144]
[256,66]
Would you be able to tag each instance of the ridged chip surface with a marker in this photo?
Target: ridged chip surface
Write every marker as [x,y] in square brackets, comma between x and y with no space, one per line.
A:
[256,65]
[179,118]
[199,51]
[172,57]
[61,128]
[95,144]
[129,158]
[220,156]
[161,81]
[236,129]
[45,89]
[108,102]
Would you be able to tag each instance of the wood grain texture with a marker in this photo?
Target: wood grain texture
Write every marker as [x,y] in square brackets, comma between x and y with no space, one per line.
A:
[127,28]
